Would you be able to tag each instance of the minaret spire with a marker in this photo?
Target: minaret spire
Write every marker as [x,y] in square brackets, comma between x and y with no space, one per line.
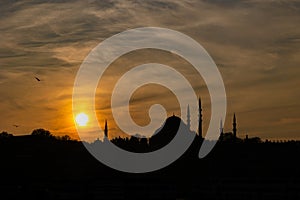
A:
[221,130]
[188,116]
[106,129]
[234,129]
[200,118]
[221,127]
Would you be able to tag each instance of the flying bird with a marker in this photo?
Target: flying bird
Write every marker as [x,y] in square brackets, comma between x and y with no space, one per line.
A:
[37,78]
[16,126]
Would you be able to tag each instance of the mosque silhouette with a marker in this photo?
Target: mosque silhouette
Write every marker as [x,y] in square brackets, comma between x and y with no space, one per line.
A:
[163,135]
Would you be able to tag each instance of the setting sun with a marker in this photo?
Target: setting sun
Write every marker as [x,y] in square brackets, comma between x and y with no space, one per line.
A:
[81,119]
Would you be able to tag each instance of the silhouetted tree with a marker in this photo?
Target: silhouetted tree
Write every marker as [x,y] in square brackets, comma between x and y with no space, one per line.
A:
[255,140]
[41,133]
[64,138]
[5,135]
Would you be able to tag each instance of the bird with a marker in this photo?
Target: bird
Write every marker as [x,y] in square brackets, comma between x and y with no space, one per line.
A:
[16,126]
[37,78]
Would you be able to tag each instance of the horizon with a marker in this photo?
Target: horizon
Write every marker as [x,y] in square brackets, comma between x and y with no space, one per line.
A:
[137,135]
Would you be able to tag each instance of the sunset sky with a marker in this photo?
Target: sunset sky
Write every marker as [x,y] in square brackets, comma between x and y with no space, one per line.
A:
[255,44]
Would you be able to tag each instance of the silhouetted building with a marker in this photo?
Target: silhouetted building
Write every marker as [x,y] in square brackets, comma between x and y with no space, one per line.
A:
[166,133]
[200,119]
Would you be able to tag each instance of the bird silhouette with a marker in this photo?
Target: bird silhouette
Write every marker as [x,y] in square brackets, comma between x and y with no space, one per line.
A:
[37,78]
[16,126]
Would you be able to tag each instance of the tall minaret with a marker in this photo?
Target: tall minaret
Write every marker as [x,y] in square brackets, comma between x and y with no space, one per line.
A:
[234,126]
[105,130]
[200,118]
[188,116]
[221,131]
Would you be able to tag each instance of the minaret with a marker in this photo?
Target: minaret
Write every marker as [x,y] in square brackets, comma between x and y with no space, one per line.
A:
[234,126]
[188,116]
[200,118]
[105,129]
[221,130]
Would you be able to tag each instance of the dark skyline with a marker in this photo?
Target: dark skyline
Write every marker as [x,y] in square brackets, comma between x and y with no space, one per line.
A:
[43,166]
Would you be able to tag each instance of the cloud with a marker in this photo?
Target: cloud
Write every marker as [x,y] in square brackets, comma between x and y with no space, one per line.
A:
[254,43]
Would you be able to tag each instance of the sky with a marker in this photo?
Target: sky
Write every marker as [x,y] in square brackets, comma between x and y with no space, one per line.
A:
[255,44]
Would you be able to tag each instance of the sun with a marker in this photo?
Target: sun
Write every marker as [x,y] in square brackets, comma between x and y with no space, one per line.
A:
[82,119]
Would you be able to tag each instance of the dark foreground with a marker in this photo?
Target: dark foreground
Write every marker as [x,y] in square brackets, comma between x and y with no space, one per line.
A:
[34,168]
